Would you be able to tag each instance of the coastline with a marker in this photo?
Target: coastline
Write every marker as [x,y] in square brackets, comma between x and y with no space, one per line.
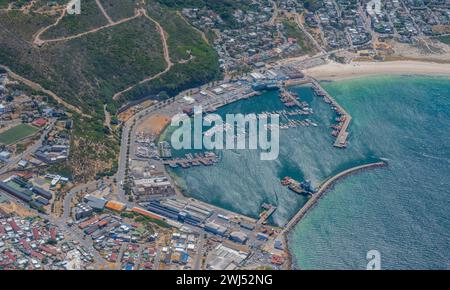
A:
[334,71]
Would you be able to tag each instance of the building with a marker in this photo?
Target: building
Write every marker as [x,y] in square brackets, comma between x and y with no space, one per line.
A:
[239,237]
[278,244]
[215,229]
[95,203]
[115,206]
[5,155]
[40,122]
[14,192]
[152,186]
[45,194]
[82,211]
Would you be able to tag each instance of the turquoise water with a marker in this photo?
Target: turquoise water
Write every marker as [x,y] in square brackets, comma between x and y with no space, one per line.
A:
[401,211]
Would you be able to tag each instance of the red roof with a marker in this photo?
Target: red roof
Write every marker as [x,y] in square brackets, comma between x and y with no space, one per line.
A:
[36,235]
[89,222]
[40,122]
[277,260]
[37,255]
[48,250]
[113,258]
[14,226]
[25,244]
[53,233]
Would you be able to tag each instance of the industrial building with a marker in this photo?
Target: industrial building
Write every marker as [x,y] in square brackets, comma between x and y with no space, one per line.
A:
[95,202]
[239,237]
[82,211]
[180,211]
[215,229]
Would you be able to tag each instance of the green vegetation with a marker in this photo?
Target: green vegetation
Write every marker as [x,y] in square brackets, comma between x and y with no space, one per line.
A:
[293,31]
[445,39]
[119,9]
[146,220]
[87,71]
[17,133]
[201,69]
[4,3]
[20,27]
[312,5]
[91,17]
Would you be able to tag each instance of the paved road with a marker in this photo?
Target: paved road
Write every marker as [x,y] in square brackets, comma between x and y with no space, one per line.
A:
[200,252]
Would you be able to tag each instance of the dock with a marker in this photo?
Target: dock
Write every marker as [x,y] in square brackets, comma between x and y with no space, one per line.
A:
[198,159]
[288,98]
[342,136]
[265,215]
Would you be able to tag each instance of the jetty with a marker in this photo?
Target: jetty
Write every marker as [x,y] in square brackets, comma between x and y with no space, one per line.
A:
[190,160]
[266,214]
[342,135]
[327,184]
[289,99]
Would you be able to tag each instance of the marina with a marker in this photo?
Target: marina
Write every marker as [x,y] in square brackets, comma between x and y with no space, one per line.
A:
[191,160]
[343,120]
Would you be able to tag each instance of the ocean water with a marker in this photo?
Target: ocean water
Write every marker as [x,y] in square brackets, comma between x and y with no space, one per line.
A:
[401,210]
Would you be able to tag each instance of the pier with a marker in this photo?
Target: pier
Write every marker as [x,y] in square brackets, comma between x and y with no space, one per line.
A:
[327,184]
[197,159]
[289,98]
[342,136]
[265,215]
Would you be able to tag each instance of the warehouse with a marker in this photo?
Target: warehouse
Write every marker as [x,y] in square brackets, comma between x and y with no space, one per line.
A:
[238,237]
[95,202]
[41,192]
[215,229]
[14,192]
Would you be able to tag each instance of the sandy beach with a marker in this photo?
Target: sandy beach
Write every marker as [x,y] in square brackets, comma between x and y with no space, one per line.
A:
[337,71]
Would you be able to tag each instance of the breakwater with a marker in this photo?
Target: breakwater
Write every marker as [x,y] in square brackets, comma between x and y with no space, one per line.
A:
[323,188]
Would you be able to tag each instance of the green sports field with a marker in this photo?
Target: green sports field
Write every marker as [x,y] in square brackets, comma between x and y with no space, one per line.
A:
[17,133]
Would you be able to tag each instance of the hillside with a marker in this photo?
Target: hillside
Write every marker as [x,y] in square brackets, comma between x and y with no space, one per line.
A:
[88,59]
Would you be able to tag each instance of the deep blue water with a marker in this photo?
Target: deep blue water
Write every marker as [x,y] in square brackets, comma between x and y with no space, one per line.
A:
[401,211]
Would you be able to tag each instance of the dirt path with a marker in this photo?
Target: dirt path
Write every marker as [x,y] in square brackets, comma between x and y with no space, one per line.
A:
[166,58]
[38,41]
[100,6]
[195,28]
[38,87]
[139,12]
[37,37]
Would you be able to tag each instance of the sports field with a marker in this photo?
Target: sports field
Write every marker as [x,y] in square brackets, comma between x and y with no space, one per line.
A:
[17,133]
